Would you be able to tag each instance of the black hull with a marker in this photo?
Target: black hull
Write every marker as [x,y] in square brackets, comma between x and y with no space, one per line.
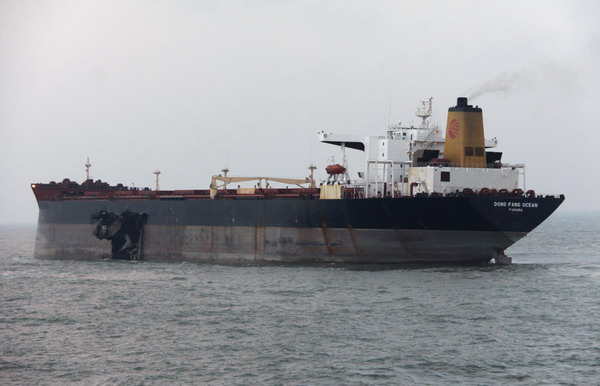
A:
[388,230]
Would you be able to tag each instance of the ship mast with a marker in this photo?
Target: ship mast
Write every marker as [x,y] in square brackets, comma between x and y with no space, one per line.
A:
[312,179]
[424,112]
[157,172]
[87,169]
[225,170]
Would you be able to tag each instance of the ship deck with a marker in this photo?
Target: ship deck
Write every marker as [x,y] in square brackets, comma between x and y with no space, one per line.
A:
[89,190]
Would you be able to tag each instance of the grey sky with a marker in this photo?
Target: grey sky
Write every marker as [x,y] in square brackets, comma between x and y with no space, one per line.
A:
[189,87]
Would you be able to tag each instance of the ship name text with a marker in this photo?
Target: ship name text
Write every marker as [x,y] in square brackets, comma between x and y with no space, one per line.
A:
[515,204]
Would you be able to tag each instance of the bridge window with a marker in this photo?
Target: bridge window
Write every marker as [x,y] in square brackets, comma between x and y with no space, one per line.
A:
[479,151]
[445,177]
[468,151]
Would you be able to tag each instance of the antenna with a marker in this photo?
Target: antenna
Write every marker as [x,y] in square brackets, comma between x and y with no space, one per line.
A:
[157,172]
[390,111]
[228,147]
[310,150]
[87,169]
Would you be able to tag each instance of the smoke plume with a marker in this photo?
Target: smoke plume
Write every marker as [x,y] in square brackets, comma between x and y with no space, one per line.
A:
[559,77]
[506,84]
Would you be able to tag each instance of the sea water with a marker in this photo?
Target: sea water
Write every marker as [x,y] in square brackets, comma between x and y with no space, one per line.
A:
[113,322]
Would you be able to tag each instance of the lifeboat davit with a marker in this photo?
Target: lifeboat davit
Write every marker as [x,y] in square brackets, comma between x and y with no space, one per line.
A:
[335,169]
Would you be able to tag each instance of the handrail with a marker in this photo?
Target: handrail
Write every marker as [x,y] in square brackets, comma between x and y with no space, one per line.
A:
[453,165]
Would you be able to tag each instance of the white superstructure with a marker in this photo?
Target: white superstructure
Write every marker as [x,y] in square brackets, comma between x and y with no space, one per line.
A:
[410,160]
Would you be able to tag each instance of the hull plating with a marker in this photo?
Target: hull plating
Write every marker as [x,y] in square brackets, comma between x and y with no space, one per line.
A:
[428,229]
[239,245]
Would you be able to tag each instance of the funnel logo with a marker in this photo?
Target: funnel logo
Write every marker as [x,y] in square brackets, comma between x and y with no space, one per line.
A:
[453,129]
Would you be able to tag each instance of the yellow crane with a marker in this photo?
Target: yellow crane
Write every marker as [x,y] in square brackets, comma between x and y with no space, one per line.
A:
[214,184]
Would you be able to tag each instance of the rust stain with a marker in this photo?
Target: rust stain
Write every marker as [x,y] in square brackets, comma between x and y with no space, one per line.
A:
[353,238]
[327,239]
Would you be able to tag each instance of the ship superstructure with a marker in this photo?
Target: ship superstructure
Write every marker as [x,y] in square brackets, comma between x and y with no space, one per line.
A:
[414,160]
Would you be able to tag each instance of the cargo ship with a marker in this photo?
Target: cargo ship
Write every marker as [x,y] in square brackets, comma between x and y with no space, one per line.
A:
[421,196]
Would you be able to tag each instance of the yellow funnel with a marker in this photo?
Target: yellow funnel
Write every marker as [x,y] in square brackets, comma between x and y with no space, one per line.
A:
[465,143]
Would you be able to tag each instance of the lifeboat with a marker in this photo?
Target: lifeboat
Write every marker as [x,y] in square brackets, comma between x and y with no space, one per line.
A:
[335,169]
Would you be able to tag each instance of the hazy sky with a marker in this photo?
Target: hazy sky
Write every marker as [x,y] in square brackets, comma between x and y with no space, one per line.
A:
[189,87]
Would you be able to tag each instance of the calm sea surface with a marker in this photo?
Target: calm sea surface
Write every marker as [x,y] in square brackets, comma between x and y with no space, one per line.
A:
[535,322]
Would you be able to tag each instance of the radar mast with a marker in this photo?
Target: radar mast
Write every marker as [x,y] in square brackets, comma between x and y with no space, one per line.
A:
[424,112]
